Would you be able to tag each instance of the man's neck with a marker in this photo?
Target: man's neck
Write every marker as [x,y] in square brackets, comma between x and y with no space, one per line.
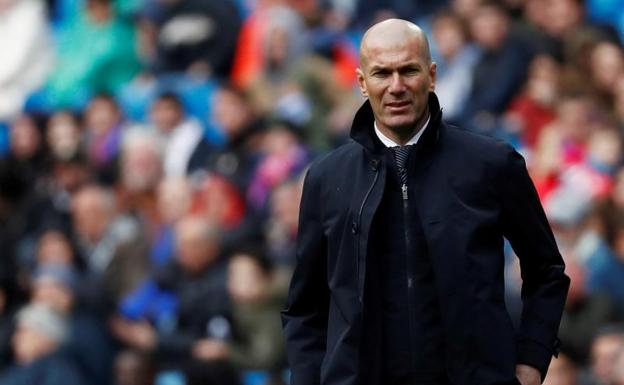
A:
[403,137]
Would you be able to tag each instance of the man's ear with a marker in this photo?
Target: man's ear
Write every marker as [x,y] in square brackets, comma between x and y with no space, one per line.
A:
[433,68]
[361,83]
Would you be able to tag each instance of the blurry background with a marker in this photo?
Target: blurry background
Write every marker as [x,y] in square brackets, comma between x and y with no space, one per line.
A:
[152,151]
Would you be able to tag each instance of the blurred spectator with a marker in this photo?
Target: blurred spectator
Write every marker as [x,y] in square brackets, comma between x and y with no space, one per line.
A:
[114,254]
[141,168]
[96,54]
[534,108]
[455,64]
[283,156]
[197,278]
[219,201]
[369,11]
[133,368]
[87,344]
[63,135]
[104,128]
[26,52]
[606,64]
[243,129]
[175,195]
[26,152]
[194,36]
[563,142]
[10,301]
[186,149]
[54,247]
[259,343]
[299,86]
[281,229]
[617,375]
[606,275]
[583,314]
[608,341]
[39,335]
[501,69]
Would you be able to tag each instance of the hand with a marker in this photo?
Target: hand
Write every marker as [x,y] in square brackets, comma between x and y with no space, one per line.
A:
[210,349]
[528,375]
[138,334]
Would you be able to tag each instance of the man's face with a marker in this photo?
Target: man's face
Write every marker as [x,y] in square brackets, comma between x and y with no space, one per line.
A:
[397,79]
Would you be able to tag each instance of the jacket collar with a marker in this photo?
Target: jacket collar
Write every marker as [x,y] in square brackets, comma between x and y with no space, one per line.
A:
[363,131]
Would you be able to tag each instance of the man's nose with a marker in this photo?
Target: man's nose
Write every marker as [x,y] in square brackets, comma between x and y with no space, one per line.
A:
[397,86]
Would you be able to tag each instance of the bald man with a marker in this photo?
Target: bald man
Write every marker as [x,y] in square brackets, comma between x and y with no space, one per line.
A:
[399,275]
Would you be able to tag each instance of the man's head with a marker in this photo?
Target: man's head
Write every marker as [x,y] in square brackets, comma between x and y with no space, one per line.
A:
[54,285]
[197,243]
[396,74]
[40,331]
[93,209]
[167,112]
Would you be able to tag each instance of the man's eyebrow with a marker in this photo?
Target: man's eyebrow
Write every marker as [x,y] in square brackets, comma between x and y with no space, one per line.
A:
[388,68]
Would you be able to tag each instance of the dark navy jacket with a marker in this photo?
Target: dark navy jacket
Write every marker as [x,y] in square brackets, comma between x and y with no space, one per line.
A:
[471,191]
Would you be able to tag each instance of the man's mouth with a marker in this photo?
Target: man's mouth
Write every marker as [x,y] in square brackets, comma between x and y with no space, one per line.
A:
[400,104]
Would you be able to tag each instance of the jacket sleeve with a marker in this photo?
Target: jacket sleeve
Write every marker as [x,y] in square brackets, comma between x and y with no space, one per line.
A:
[544,284]
[305,316]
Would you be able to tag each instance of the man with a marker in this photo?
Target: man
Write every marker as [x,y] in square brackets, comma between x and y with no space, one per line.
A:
[185,148]
[37,340]
[399,276]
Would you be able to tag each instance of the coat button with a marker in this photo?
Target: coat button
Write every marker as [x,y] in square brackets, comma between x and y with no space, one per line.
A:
[374,164]
[354,228]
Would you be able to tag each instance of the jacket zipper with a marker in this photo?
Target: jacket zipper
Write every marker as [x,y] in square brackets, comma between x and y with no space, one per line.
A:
[358,232]
[409,276]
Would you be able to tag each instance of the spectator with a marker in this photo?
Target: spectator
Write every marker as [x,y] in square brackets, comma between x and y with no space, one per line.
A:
[607,342]
[114,255]
[96,54]
[197,279]
[39,335]
[104,127]
[456,62]
[500,71]
[534,108]
[186,148]
[194,36]
[584,312]
[283,156]
[27,60]
[64,135]
[606,64]
[87,344]
[243,128]
[259,343]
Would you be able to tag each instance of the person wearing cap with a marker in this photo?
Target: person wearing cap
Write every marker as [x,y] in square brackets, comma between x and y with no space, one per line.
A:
[87,343]
[399,275]
[39,334]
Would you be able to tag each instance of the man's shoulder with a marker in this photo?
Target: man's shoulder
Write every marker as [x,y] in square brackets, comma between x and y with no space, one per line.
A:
[477,145]
[336,160]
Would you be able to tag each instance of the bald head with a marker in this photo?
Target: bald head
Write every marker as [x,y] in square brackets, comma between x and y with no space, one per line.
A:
[396,75]
[393,32]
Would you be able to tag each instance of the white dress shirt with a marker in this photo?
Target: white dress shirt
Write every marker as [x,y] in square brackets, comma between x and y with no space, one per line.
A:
[391,143]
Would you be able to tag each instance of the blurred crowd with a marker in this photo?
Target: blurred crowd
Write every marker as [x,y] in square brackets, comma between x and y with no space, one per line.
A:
[151,162]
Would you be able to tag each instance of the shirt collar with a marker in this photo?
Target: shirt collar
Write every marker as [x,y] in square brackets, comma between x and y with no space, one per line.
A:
[391,143]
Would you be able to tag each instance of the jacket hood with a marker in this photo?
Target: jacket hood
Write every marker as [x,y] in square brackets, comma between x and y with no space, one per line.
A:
[363,132]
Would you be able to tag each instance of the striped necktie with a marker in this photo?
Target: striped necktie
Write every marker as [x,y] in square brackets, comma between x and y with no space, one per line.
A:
[400,157]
